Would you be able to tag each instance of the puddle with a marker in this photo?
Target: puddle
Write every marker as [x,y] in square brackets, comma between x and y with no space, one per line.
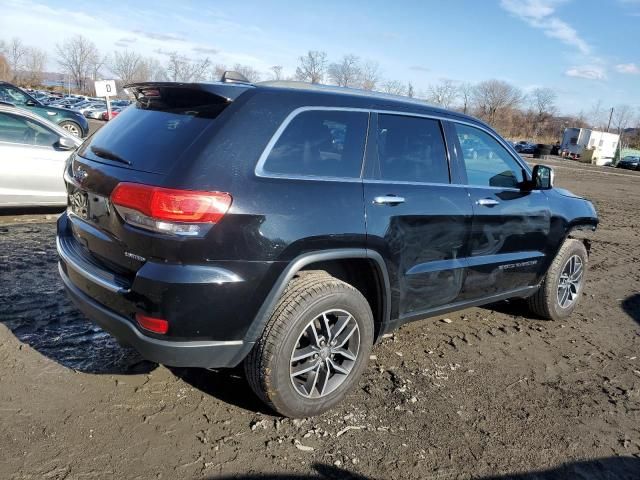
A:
[34,306]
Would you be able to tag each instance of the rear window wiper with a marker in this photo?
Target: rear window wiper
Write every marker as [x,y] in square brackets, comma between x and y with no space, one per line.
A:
[109,155]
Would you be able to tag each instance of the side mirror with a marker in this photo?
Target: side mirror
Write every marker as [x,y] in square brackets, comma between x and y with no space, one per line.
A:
[30,103]
[65,143]
[542,177]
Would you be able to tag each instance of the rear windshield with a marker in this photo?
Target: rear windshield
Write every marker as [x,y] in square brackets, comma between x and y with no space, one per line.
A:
[152,134]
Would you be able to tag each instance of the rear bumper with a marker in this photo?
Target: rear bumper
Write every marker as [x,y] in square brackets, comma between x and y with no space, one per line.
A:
[205,354]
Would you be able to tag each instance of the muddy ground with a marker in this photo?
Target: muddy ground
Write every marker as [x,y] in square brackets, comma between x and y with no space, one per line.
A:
[495,392]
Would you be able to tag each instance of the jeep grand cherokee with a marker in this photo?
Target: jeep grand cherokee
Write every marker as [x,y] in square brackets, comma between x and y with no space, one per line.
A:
[290,226]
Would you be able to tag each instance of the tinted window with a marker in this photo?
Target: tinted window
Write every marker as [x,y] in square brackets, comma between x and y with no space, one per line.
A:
[487,162]
[153,134]
[23,131]
[411,149]
[12,95]
[321,143]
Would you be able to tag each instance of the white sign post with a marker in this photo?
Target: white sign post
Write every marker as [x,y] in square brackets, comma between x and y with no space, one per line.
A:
[106,88]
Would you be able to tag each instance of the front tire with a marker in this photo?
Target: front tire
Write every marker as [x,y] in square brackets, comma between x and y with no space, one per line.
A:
[562,286]
[314,347]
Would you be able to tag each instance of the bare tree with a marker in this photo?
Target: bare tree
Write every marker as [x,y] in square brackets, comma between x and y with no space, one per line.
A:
[369,75]
[622,118]
[127,66]
[393,87]
[465,92]
[34,64]
[95,66]
[312,67]
[443,94]
[597,116]
[410,91]
[543,108]
[248,72]
[543,103]
[5,70]
[276,72]
[78,58]
[14,53]
[495,96]
[150,70]
[217,72]
[184,69]
[346,72]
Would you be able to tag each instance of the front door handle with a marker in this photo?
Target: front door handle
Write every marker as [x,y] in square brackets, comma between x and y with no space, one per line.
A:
[388,200]
[487,202]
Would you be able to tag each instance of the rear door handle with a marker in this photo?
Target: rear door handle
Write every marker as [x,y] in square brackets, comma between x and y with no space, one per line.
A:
[388,200]
[487,202]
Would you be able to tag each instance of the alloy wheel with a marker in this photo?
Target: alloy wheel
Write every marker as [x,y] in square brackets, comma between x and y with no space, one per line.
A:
[325,353]
[570,281]
[73,129]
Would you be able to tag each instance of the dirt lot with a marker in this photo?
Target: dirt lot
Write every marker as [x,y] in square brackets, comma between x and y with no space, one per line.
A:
[492,393]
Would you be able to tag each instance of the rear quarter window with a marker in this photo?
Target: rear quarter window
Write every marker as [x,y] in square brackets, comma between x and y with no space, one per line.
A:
[320,143]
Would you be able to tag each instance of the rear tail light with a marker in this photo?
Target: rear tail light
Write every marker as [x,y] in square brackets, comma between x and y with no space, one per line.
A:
[166,210]
[155,325]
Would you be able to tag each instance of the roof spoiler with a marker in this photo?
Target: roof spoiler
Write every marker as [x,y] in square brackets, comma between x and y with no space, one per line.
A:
[227,91]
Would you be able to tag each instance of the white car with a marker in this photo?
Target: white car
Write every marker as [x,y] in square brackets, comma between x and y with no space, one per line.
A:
[96,112]
[33,152]
[88,106]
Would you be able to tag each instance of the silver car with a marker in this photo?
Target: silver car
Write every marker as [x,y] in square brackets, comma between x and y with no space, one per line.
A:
[33,152]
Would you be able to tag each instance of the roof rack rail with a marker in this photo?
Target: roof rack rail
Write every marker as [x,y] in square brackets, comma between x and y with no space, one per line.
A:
[231,76]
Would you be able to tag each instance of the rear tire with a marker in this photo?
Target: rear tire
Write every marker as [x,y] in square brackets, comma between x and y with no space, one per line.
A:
[562,286]
[71,127]
[314,347]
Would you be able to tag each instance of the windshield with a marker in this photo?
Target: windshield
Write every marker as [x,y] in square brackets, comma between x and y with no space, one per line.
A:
[13,95]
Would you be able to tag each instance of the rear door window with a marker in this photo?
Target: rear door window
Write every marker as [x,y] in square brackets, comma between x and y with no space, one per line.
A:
[320,143]
[411,149]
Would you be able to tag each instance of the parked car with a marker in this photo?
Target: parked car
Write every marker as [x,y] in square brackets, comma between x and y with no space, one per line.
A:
[525,147]
[290,226]
[629,162]
[96,112]
[89,106]
[33,152]
[114,113]
[70,121]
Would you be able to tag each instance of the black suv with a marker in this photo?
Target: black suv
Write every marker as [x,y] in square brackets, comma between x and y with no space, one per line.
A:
[290,226]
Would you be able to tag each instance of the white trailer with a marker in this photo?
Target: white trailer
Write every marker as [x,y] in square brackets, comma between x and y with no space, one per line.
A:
[594,145]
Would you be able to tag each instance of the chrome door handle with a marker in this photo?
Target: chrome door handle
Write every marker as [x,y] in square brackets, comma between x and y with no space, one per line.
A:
[388,200]
[487,202]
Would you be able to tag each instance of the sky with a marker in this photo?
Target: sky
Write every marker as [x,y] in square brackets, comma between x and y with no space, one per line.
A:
[586,50]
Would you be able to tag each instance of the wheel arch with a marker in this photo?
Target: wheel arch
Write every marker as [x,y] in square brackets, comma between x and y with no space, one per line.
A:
[582,232]
[316,261]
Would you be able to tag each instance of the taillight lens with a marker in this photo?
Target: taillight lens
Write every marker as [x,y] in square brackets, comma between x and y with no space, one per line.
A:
[169,210]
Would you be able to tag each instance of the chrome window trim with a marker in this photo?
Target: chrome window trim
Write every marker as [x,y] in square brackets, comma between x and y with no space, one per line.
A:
[406,182]
[261,172]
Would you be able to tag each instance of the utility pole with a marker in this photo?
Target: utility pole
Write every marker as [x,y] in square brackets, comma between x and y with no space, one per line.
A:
[610,116]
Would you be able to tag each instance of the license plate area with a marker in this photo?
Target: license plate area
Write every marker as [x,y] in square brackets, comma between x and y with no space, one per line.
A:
[79,204]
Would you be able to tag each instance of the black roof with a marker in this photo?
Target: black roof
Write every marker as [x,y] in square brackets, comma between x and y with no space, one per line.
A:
[372,98]
[326,95]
